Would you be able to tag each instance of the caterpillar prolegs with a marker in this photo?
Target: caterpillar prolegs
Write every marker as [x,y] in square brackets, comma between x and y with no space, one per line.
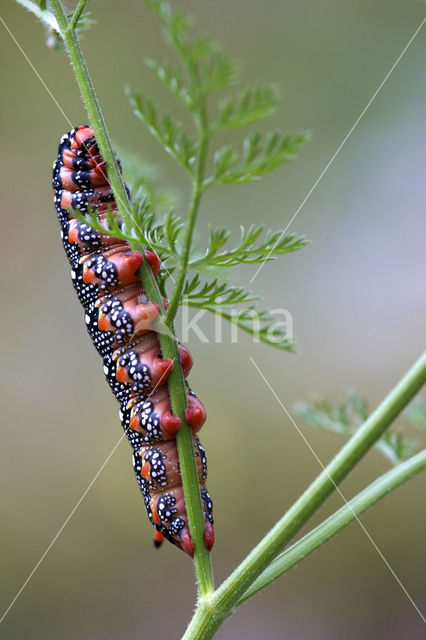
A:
[119,318]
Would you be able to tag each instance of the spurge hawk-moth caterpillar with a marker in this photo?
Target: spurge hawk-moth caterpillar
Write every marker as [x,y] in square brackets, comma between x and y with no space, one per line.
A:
[120,320]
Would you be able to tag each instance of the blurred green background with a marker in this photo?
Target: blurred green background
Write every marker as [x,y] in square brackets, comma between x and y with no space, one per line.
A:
[356,295]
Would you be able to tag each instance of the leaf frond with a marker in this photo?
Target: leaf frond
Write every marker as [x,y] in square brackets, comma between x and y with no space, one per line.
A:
[347,417]
[223,299]
[171,79]
[247,251]
[415,414]
[176,25]
[159,235]
[220,72]
[167,130]
[252,104]
[257,158]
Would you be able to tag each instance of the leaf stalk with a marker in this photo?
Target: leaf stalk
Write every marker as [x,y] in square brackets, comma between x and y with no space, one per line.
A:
[72,25]
[200,115]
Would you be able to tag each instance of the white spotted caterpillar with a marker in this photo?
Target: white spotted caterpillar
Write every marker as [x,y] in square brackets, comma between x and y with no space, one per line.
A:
[119,319]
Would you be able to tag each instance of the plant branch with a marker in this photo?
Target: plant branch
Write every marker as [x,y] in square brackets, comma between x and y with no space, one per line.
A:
[336,522]
[176,383]
[208,618]
[76,15]
[197,191]
[93,109]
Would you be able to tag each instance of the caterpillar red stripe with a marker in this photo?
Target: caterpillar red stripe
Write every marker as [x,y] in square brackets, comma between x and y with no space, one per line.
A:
[120,320]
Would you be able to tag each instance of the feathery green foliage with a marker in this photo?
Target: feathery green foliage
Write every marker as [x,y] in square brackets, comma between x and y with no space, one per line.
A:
[415,414]
[221,299]
[165,129]
[250,105]
[157,234]
[257,157]
[199,70]
[350,414]
[275,243]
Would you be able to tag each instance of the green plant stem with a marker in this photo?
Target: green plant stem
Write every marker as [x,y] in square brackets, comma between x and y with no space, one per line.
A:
[210,615]
[176,383]
[200,115]
[93,109]
[336,522]
[189,228]
[76,15]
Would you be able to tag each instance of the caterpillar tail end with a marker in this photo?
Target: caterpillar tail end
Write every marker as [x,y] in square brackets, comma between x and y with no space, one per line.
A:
[185,542]
[158,539]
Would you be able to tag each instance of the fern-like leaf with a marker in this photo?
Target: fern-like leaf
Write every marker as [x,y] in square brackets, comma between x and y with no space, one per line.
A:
[275,243]
[347,417]
[257,158]
[172,80]
[199,294]
[148,232]
[167,130]
[251,105]
[220,72]
[415,414]
[222,299]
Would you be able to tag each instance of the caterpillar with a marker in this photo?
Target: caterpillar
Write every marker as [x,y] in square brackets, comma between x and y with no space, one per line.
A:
[120,320]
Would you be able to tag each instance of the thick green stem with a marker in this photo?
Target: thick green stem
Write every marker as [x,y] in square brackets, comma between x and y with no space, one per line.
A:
[167,339]
[336,522]
[208,617]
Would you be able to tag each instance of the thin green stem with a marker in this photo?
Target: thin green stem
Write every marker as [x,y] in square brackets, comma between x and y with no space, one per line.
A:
[93,109]
[76,15]
[197,192]
[207,619]
[184,257]
[176,383]
[336,522]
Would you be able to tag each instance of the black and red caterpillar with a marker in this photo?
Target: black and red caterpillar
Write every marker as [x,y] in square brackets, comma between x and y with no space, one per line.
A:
[119,318]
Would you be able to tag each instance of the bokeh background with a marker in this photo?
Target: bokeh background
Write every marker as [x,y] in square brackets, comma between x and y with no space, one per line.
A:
[356,295]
